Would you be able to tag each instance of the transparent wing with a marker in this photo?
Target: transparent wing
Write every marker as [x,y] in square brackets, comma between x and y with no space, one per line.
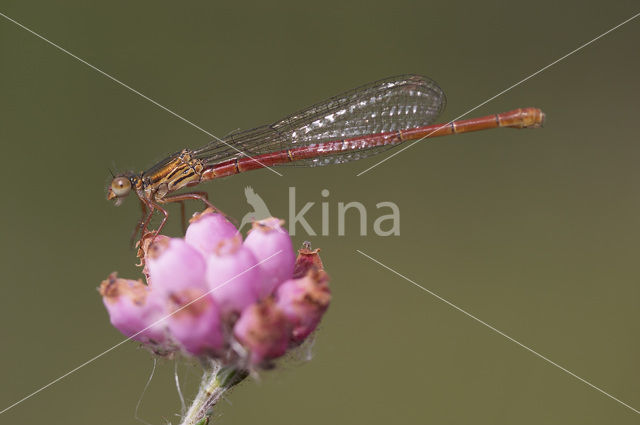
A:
[392,104]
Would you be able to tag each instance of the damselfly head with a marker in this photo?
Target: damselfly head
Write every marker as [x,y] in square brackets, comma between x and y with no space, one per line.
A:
[119,189]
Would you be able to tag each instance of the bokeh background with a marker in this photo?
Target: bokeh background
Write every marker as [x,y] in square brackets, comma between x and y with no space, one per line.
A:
[534,232]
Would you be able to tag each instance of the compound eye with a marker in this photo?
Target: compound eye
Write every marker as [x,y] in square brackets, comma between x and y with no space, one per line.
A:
[121,186]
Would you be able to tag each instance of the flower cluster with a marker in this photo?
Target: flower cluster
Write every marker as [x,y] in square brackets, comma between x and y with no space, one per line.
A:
[213,295]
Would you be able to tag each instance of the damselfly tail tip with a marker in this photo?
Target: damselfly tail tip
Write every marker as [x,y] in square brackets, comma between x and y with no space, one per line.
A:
[534,118]
[543,117]
[538,118]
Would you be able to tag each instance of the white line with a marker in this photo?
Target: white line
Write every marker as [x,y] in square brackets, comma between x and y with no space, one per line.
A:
[135,91]
[133,336]
[499,332]
[502,92]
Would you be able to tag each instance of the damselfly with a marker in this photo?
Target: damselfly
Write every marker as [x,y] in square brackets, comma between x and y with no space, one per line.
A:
[353,125]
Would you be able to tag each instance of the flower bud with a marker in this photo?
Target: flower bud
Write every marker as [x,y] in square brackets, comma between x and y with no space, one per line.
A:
[263,330]
[304,301]
[233,276]
[271,244]
[195,322]
[174,265]
[207,230]
[144,245]
[134,311]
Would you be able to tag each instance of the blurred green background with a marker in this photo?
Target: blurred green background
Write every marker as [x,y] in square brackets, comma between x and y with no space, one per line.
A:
[534,232]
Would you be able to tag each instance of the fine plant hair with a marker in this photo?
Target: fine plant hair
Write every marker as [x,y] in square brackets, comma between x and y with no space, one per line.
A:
[144,391]
[183,405]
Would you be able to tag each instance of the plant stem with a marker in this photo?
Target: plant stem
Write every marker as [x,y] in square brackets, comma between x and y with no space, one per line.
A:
[215,382]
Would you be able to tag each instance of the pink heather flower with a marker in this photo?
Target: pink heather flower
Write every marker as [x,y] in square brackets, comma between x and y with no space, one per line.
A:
[233,276]
[210,290]
[178,272]
[271,244]
[143,248]
[132,308]
[195,322]
[264,331]
[174,265]
[304,301]
[207,230]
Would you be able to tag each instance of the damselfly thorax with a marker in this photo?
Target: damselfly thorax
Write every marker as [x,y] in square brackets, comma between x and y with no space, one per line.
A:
[174,173]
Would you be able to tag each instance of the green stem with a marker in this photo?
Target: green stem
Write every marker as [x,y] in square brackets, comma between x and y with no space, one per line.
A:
[215,382]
